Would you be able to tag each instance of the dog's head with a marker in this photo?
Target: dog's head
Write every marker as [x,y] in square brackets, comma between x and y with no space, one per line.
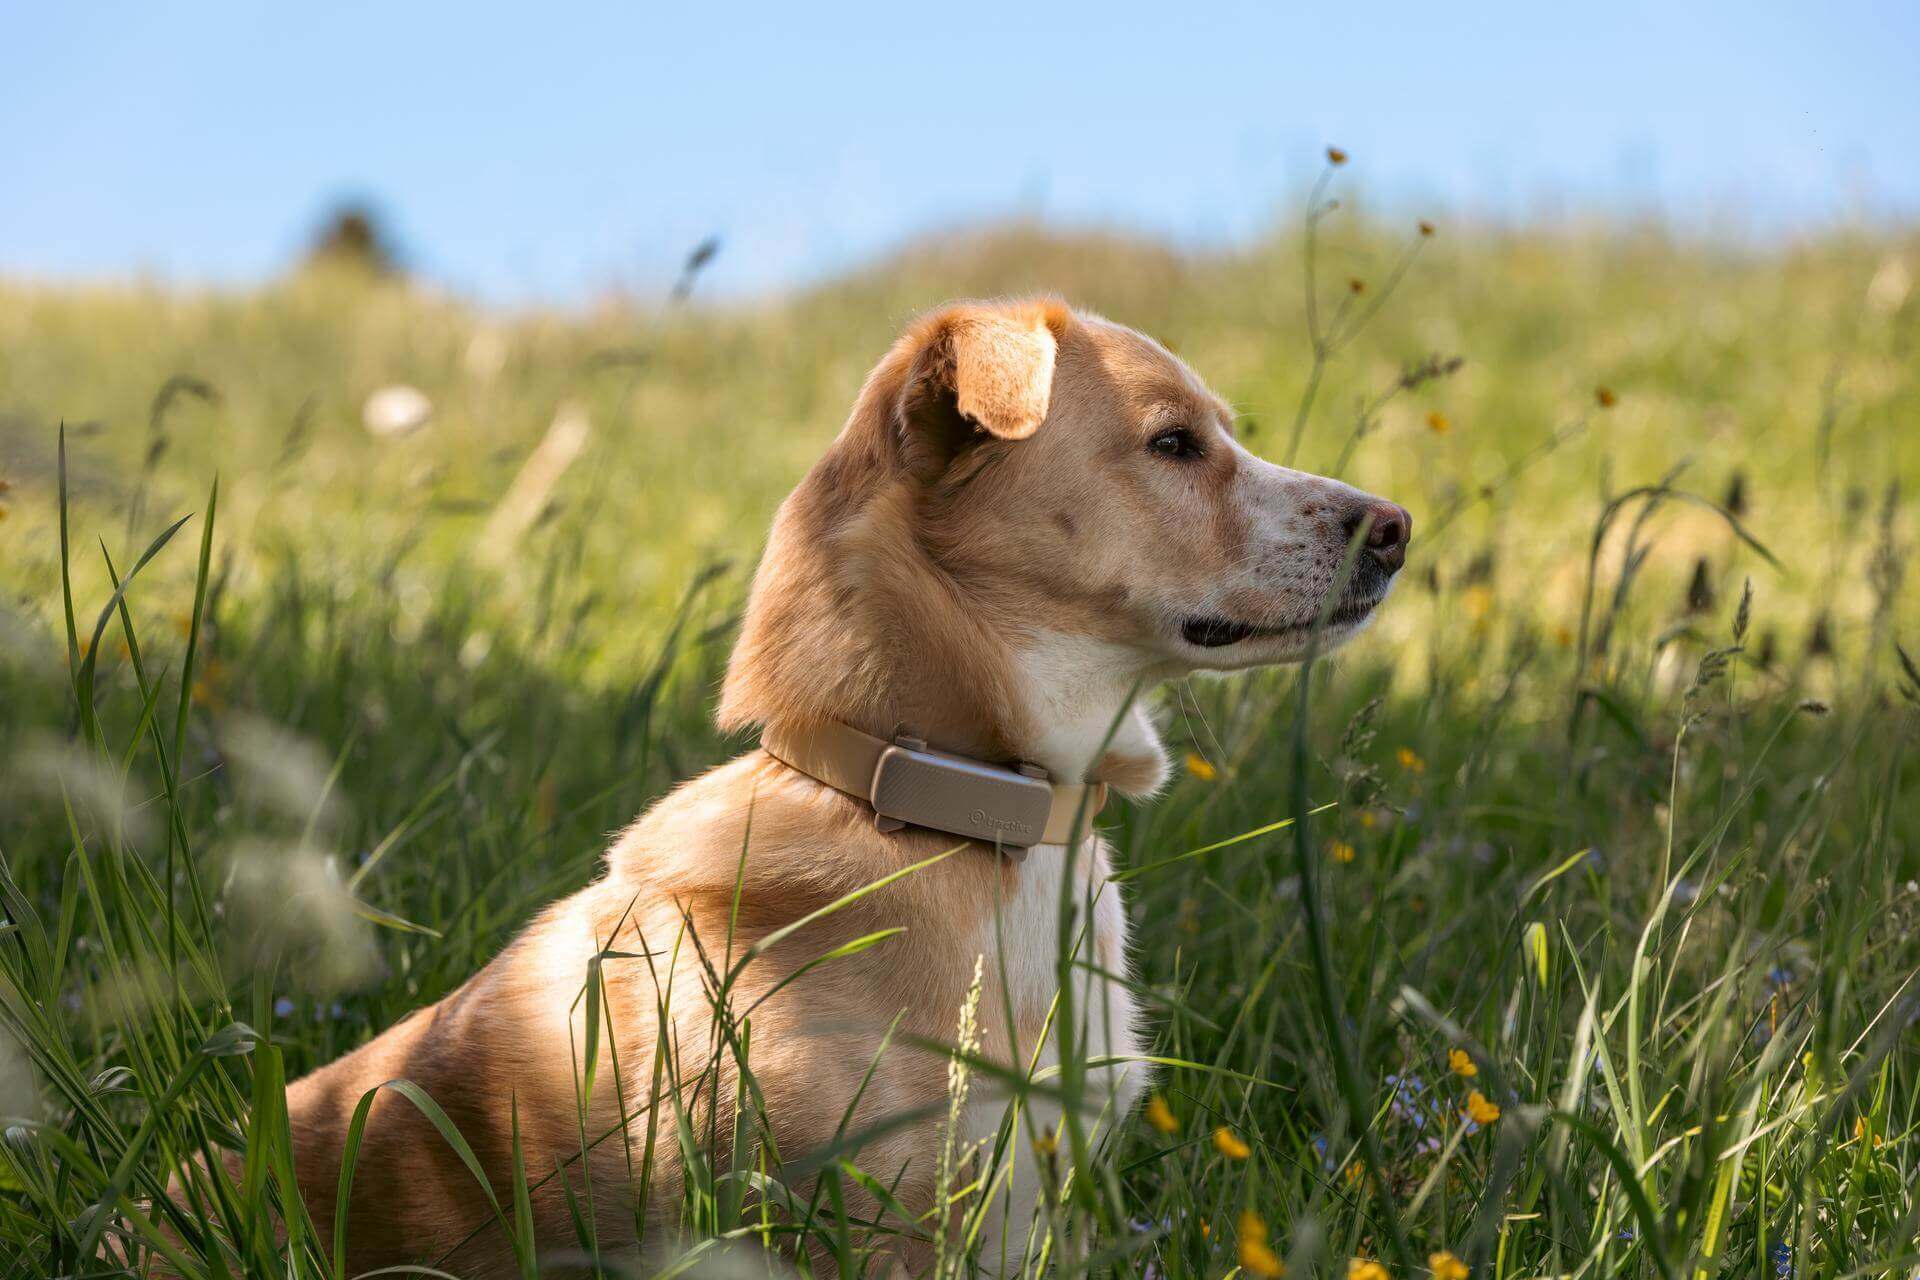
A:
[1027,496]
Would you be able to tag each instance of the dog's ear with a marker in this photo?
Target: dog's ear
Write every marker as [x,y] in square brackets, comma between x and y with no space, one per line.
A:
[976,370]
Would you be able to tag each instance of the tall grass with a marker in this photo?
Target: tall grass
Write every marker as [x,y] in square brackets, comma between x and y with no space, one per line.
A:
[1565,926]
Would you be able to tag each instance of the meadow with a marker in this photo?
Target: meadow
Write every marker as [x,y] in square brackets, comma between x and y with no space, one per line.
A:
[1597,956]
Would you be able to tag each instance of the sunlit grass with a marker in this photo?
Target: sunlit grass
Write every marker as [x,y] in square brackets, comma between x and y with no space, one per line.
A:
[1592,952]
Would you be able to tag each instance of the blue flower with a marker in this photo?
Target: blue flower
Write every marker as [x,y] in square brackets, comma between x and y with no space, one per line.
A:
[1405,1105]
[1782,1258]
[282,1007]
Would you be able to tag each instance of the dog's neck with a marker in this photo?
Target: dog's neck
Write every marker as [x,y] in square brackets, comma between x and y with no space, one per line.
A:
[852,621]
[1070,704]
[1084,703]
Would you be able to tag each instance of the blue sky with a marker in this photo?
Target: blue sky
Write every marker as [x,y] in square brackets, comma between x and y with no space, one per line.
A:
[540,153]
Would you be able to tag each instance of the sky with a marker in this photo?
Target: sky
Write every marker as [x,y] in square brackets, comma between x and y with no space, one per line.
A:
[549,153]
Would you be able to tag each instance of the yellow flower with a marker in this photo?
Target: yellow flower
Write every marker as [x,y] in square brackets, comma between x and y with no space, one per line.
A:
[1437,423]
[1230,1145]
[1336,156]
[1340,851]
[1605,398]
[1411,761]
[1356,285]
[1258,1260]
[1200,767]
[1480,1110]
[1046,1143]
[1369,819]
[1160,1115]
[1861,1131]
[1426,228]
[1367,1269]
[1446,1267]
[1255,1257]
[1460,1062]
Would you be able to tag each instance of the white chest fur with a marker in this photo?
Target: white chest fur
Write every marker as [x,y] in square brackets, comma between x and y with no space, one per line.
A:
[1023,946]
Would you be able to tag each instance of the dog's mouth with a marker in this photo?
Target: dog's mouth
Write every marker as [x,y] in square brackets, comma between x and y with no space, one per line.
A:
[1218,633]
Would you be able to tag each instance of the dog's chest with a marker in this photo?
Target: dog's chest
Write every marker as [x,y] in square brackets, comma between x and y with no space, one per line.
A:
[1025,938]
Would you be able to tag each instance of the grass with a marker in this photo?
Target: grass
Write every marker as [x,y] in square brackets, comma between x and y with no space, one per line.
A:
[1636,849]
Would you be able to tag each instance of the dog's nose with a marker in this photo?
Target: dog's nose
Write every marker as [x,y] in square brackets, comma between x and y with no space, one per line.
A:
[1389,529]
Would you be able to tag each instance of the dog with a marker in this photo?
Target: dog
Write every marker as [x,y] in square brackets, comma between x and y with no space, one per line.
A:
[1031,514]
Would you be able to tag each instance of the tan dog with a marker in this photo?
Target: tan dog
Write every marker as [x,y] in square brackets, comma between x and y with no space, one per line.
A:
[1030,514]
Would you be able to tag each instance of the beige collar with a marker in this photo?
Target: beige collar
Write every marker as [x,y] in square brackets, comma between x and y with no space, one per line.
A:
[909,783]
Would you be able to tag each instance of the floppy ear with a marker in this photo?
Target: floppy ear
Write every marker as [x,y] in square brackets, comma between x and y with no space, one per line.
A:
[976,369]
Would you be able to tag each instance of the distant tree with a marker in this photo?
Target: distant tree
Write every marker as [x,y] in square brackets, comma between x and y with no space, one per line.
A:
[354,235]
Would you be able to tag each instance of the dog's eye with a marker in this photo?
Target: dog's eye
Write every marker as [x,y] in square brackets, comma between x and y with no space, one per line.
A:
[1175,443]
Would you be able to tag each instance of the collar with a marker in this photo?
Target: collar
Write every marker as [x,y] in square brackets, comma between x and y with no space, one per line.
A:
[909,783]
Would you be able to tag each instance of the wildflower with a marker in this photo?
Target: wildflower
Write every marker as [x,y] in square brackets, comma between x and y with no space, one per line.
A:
[1366,1269]
[1356,285]
[1200,767]
[1046,1143]
[1437,423]
[1340,851]
[1861,1132]
[1255,1257]
[1460,1062]
[1478,601]
[1480,1110]
[1782,1258]
[1445,1266]
[1605,398]
[1406,1099]
[1160,1115]
[1426,228]
[1369,819]
[1336,156]
[1411,761]
[1230,1145]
